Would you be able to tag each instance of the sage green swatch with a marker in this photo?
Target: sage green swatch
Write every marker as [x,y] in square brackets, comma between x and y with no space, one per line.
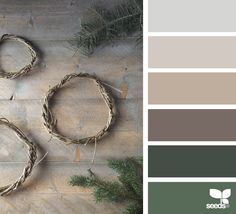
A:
[188,198]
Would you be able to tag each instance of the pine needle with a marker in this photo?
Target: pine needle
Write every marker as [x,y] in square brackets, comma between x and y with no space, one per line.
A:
[128,187]
[101,25]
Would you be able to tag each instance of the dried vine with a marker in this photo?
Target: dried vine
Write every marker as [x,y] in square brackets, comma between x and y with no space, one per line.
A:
[50,122]
[32,154]
[26,69]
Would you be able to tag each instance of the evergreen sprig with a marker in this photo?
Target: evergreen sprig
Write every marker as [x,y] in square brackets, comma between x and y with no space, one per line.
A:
[109,191]
[128,188]
[101,24]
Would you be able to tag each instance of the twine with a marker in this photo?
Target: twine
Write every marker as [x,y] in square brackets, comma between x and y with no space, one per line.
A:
[50,122]
[32,155]
[25,70]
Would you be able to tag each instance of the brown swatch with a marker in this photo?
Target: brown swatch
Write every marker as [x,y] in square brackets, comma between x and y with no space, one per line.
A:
[192,125]
[192,88]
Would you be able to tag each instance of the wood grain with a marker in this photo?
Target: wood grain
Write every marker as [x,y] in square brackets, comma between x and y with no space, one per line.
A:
[50,25]
[47,190]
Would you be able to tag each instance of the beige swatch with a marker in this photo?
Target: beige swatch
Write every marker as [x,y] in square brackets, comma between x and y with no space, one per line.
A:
[192,88]
[192,52]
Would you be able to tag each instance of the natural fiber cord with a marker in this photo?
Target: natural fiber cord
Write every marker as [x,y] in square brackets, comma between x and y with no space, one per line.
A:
[50,121]
[27,68]
[32,154]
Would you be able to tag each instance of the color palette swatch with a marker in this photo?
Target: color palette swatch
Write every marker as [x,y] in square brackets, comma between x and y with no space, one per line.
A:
[191,111]
[192,88]
[192,125]
[192,52]
[191,16]
[190,198]
[192,161]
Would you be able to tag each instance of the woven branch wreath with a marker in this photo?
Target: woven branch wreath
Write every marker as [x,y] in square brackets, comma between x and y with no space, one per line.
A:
[32,154]
[50,122]
[26,69]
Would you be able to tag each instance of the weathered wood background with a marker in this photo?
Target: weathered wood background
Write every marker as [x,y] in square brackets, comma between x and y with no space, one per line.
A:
[79,107]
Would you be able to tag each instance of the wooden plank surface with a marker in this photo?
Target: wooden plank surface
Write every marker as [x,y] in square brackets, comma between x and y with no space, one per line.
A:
[79,108]
[47,190]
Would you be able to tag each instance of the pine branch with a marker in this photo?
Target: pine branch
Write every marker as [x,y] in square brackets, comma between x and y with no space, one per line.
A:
[131,176]
[110,191]
[103,24]
[82,181]
[129,188]
[85,181]
[134,209]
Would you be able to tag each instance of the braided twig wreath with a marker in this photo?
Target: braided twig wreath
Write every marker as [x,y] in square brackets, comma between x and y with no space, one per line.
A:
[32,154]
[27,68]
[50,121]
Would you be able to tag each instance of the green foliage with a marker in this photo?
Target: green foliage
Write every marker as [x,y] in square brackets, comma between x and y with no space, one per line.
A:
[134,209]
[83,181]
[101,24]
[128,188]
[131,176]
[109,191]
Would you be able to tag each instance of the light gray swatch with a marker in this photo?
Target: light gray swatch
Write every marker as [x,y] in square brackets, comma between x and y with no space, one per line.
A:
[192,15]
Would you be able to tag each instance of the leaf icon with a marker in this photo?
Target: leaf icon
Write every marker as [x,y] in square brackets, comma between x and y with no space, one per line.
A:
[215,193]
[226,193]
[225,201]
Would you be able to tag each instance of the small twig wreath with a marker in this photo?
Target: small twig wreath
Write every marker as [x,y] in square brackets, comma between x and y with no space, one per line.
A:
[32,154]
[50,122]
[26,69]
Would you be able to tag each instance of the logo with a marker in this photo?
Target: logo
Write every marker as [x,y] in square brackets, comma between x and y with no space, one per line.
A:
[222,196]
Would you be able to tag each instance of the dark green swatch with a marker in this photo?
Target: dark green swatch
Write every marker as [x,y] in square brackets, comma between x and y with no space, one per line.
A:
[192,161]
[190,198]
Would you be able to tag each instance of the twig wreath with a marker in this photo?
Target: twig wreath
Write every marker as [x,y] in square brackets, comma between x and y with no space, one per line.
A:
[32,154]
[50,122]
[26,69]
